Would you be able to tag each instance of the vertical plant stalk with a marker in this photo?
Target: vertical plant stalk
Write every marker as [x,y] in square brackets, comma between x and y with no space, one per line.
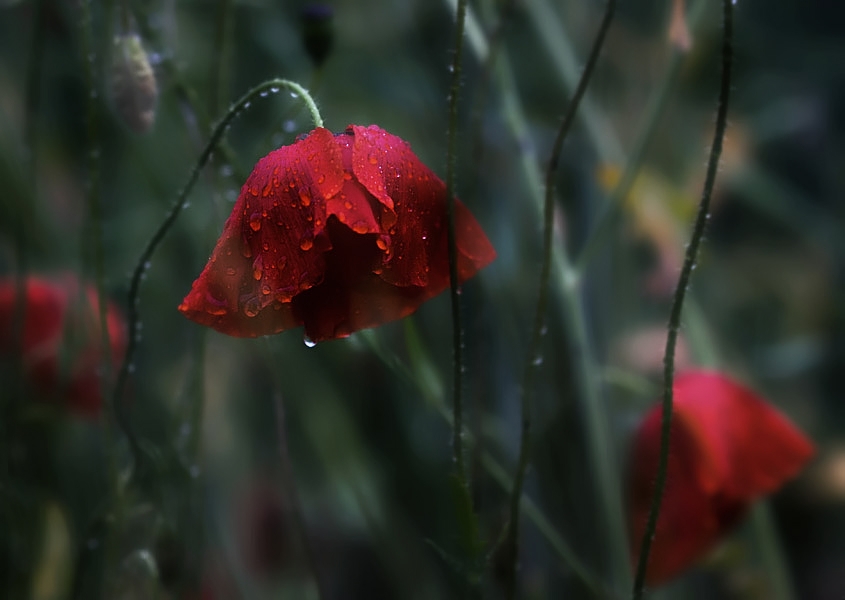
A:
[293,494]
[133,317]
[93,231]
[220,55]
[454,287]
[680,293]
[534,357]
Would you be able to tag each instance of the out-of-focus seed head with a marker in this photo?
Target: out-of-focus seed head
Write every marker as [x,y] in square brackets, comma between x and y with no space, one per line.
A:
[132,83]
[318,31]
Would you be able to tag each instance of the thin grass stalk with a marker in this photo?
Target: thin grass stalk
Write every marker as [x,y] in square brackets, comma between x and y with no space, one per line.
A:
[680,293]
[454,284]
[534,357]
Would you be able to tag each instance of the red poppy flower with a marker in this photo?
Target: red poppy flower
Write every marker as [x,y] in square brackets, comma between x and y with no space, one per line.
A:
[337,233]
[61,347]
[728,447]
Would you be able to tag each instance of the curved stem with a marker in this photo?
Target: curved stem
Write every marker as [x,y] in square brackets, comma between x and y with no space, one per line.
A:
[534,356]
[457,331]
[273,85]
[680,292]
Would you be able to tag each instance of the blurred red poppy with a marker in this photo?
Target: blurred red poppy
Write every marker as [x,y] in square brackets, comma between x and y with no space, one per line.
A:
[61,344]
[728,447]
[337,233]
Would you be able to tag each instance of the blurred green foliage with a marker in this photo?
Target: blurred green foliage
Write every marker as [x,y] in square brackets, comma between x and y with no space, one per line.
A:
[364,507]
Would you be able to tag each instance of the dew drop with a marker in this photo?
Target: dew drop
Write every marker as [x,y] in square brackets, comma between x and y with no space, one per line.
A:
[246,251]
[274,90]
[283,261]
[383,242]
[230,271]
[304,198]
[306,243]
[265,289]
[266,246]
[321,179]
[360,227]
[308,341]
[257,272]
[252,307]
[373,160]
[255,222]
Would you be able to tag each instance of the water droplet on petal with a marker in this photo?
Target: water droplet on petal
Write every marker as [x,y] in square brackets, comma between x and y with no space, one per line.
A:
[252,307]
[321,179]
[306,243]
[255,222]
[383,242]
[360,227]
[308,341]
[230,271]
[304,198]
[373,160]
[283,261]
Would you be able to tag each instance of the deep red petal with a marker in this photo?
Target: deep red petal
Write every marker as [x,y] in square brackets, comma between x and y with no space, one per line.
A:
[728,447]
[272,244]
[387,168]
[752,448]
[691,519]
[61,347]
[352,296]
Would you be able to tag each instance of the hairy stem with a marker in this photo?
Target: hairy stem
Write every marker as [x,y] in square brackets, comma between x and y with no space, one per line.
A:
[455,292]
[133,318]
[534,352]
[680,293]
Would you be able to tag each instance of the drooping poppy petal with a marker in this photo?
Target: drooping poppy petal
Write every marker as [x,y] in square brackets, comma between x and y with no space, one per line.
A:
[337,233]
[61,342]
[728,448]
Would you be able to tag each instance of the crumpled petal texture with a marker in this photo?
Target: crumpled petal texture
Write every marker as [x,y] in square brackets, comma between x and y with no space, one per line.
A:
[61,344]
[336,233]
[728,448]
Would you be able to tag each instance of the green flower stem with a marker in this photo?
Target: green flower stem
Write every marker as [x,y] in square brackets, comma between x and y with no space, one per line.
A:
[220,53]
[534,349]
[568,67]
[422,375]
[93,231]
[680,293]
[454,287]
[771,551]
[144,262]
[588,377]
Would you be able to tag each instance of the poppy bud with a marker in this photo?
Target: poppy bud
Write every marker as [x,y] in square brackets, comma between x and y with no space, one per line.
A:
[132,83]
[317,32]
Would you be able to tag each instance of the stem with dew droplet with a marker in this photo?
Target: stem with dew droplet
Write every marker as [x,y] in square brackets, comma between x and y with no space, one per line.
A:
[143,264]
[680,293]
